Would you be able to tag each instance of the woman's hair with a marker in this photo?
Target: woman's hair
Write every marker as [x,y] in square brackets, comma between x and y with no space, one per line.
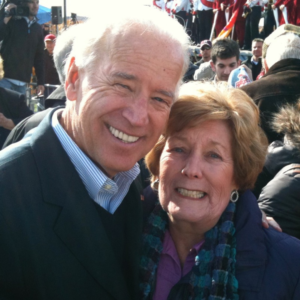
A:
[199,102]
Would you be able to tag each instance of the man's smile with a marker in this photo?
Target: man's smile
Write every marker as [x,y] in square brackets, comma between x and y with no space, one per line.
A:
[122,136]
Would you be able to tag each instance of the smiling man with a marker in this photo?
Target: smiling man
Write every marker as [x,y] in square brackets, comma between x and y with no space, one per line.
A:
[254,62]
[70,210]
[225,57]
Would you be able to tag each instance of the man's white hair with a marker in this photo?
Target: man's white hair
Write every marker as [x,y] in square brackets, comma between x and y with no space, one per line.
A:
[62,49]
[94,40]
[283,47]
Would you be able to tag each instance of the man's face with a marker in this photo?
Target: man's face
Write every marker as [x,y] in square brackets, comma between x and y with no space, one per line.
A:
[206,53]
[123,104]
[223,67]
[50,46]
[257,49]
[33,7]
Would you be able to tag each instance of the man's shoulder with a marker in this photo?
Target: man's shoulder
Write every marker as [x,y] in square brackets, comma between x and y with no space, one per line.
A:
[16,157]
[259,88]
[9,94]
[247,61]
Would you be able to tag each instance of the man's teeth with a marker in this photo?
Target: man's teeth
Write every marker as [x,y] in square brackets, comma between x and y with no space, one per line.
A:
[192,194]
[123,136]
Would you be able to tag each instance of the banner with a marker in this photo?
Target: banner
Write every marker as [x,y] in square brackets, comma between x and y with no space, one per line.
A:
[227,29]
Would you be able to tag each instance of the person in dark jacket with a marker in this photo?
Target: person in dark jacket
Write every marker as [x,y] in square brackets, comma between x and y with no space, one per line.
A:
[71,228]
[22,48]
[51,75]
[58,97]
[254,62]
[204,238]
[280,198]
[13,109]
[280,85]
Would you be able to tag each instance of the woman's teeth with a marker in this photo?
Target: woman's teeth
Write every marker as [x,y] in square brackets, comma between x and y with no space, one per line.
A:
[191,194]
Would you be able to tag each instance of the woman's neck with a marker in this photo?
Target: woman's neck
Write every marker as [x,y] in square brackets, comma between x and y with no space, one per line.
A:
[184,237]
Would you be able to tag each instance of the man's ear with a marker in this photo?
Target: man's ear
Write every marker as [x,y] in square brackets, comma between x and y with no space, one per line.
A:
[71,84]
[265,65]
[239,62]
[212,65]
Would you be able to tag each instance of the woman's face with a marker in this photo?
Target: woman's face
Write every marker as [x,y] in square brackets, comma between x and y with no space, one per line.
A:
[196,174]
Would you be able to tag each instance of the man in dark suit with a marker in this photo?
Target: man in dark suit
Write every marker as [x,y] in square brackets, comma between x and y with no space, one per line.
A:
[57,97]
[70,211]
[13,109]
[254,62]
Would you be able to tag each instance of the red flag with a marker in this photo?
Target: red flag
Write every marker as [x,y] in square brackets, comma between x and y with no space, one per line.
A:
[227,29]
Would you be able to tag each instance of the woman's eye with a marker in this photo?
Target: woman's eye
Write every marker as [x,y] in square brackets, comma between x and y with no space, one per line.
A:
[214,155]
[178,150]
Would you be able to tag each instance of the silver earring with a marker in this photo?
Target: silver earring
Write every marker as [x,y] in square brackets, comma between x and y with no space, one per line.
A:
[234,196]
[155,184]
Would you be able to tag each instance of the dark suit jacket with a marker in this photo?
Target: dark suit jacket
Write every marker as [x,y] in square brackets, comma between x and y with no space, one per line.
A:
[57,98]
[24,127]
[53,243]
[13,107]
[256,69]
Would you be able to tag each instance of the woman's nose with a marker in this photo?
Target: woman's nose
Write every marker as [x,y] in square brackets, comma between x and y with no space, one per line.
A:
[193,167]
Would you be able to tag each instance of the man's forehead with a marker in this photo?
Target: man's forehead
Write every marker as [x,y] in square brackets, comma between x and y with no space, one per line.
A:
[226,61]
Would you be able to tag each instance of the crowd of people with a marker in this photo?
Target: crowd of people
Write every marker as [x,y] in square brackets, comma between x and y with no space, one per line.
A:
[207,18]
[151,175]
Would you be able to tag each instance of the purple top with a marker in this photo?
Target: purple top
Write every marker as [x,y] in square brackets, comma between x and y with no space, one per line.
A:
[169,271]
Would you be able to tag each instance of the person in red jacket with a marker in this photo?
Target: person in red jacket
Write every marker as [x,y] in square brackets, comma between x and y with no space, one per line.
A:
[219,8]
[297,12]
[290,11]
[239,27]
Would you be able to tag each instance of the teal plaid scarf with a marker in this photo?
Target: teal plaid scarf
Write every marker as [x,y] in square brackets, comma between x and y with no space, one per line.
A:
[213,275]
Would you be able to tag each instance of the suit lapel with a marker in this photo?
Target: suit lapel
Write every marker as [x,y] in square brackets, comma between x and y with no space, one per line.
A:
[78,225]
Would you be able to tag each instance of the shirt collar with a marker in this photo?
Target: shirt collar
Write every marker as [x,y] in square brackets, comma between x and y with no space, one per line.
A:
[29,22]
[253,61]
[93,178]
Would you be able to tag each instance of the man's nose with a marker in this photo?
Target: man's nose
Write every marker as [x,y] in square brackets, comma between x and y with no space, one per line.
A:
[137,113]
[227,70]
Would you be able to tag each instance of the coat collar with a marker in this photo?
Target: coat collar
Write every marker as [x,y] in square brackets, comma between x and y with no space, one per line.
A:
[289,64]
[281,80]
[78,224]
[251,249]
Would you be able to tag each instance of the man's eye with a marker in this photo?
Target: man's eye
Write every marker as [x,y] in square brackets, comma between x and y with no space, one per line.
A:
[161,100]
[124,86]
